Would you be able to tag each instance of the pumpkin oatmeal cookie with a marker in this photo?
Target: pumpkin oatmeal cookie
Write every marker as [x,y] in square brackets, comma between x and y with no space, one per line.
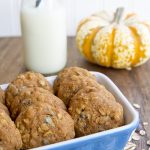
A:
[3,107]
[43,124]
[23,81]
[68,72]
[31,96]
[70,81]
[10,138]
[71,86]
[95,110]
[2,96]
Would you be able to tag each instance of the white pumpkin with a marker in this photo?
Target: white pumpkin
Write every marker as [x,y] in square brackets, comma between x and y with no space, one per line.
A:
[113,41]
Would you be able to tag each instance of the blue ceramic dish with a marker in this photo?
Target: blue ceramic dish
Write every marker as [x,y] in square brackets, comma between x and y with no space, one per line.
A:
[114,139]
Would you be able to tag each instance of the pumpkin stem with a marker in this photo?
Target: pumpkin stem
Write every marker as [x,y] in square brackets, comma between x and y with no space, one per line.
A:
[118,15]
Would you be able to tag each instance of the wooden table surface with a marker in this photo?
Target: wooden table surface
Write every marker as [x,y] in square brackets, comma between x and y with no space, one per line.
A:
[134,84]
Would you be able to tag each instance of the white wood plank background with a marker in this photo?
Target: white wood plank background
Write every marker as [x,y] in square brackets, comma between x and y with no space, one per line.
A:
[76,10]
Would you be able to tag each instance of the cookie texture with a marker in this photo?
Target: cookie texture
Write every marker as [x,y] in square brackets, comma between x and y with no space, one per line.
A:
[43,124]
[95,110]
[10,138]
[23,81]
[4,108]
[82,107]
[70,81]
[31,96]
[67,72]
[2,96]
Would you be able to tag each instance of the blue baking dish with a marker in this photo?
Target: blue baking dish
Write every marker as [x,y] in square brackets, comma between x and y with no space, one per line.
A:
[114,139]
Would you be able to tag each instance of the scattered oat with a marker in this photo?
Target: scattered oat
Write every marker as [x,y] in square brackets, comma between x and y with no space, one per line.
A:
[145,123]
[148,142]
[136,137]
[137,106]
[130,146]
[142,132]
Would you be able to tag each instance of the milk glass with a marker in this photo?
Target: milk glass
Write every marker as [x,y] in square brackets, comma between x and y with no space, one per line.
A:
[43,25]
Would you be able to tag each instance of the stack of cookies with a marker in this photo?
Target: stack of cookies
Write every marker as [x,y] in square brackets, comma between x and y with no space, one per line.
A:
[82,107]
[40,116]
[10,138]
[92,107]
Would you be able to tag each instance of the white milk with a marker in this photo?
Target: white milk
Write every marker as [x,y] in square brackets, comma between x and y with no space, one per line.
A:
[44,36]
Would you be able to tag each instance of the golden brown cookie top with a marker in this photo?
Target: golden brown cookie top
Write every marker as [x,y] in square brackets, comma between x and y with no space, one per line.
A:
[43,124]
[2,96]
[32,79]
[4,108]
[10,138]
[75,71]
[95,110]
[70,86]
[31,96]
[26,80]
[71,71]
[95,89]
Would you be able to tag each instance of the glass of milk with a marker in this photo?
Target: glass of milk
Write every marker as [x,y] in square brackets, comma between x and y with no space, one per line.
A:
[43,25]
